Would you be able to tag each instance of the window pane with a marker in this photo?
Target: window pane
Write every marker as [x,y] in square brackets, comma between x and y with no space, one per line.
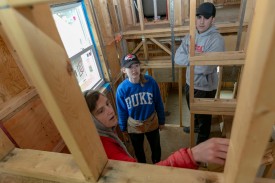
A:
[76,38]
[72,28]
[86,70]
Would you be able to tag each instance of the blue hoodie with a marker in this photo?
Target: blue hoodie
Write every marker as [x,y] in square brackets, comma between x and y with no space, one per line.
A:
[206,77]
[139,102]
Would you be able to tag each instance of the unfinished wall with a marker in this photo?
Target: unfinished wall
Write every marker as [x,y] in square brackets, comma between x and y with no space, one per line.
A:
[12,81]
[23,116]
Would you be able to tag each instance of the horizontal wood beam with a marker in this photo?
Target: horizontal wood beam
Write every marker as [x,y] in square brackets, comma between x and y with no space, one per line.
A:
[213,106]
[158,64]
[42,165]
[218,62]
[49,166]
[179,31]
[16,102]
[219,58]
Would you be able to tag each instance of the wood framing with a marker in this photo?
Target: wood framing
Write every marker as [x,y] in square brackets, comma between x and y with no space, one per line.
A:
[255,112]
[69,112]
[16,102]
[5,144]
[57,86]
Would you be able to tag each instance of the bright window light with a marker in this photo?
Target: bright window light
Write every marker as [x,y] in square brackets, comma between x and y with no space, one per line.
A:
[75,35]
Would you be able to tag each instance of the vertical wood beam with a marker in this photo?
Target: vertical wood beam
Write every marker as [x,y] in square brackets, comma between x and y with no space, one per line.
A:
[192,44]
[185,9]
[255,111]
[140,14]
[191,54]
[178,12]
[145,49]
[120,14]
[168,9]
[5,144]
[46,62]
[218,93]
[250,8]
[104,20]
[180,95]
[133,12]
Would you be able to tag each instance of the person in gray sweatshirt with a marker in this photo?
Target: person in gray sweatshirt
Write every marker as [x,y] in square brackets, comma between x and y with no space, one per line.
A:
[208,39]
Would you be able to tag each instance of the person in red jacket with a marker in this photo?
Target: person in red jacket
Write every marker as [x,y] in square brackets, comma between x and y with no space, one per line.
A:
[211,151]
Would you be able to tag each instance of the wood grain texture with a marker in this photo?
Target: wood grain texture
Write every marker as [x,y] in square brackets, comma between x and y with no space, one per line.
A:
[12,81]
[255,111]
[5,145]
[33,121]
[57,88]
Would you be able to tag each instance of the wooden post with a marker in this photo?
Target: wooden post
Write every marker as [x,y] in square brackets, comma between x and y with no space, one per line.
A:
[180,95]
[140,14]
[5,144]
[133,10]
[145,49]
[255,112]
[191,54]
[46,62]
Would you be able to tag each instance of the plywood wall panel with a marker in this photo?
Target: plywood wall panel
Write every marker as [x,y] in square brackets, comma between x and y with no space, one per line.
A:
[32,127]
[12,81]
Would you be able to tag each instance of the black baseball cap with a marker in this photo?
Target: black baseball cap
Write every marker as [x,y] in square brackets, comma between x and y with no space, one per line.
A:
[128,60]
[207,10]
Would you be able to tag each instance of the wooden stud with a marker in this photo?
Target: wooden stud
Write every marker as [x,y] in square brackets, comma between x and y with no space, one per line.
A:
[14,103]
[5,144]
[58,89]
[255,112]
[178,12]
[191,54]
[219,88]
[145,49]
[133,9]
[140,15]
[180,95]
[185,9]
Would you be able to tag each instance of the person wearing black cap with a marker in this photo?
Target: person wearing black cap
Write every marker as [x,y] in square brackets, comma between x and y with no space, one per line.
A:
[140,109]
[208,39]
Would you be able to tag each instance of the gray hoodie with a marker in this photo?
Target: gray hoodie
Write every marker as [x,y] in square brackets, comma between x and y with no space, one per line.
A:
[206,77]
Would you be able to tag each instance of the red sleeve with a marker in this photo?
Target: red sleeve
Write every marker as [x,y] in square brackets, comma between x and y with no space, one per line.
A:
[114,150]
[182,158]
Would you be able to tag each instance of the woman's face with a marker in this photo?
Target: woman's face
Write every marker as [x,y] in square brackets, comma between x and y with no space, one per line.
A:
[133,72]
[104,112]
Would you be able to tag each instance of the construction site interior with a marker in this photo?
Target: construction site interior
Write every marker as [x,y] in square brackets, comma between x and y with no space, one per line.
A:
[51,51]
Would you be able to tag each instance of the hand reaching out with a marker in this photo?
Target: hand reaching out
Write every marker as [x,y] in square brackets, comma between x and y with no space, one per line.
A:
[211,151]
